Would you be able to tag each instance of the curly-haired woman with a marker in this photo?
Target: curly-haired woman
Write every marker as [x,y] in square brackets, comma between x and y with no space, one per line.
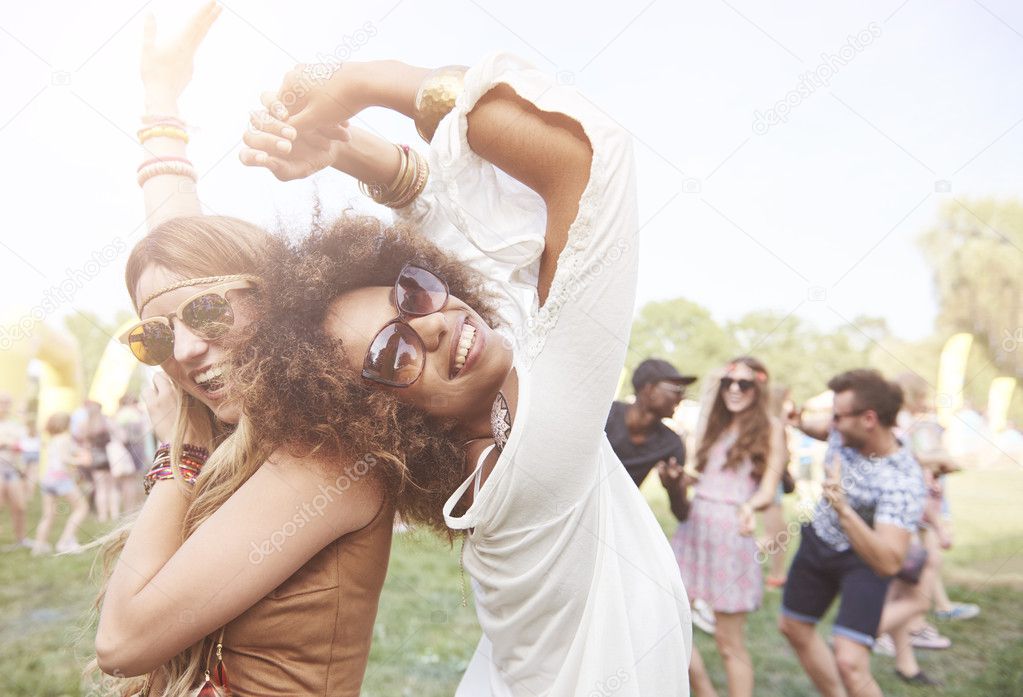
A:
[533,188]
[740,459]
[269,559]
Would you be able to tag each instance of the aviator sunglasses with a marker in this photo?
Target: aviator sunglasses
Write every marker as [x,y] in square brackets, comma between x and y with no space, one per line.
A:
[396,357]
[207,314]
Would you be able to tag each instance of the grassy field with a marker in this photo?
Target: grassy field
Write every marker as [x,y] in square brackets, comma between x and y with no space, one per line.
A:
[424,637]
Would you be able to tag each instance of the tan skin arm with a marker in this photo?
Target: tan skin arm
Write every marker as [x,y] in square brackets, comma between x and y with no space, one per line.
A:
[883,548]
[676,483]
[547,152]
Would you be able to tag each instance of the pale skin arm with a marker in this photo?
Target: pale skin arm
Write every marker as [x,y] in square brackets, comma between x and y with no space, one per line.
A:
[547,152]
[817,426]
[166,71]
[189,589]
[768,486]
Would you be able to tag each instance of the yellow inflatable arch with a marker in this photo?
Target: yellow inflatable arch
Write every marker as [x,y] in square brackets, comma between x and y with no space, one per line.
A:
[25,339]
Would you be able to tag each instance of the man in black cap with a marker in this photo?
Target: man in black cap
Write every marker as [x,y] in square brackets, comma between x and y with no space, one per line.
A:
[635,430]
[642,442]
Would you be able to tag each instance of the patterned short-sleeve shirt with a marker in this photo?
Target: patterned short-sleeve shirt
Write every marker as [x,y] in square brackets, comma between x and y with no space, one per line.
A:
[887,490]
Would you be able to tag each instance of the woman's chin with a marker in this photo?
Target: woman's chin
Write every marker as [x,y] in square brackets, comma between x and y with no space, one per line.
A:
[227,412]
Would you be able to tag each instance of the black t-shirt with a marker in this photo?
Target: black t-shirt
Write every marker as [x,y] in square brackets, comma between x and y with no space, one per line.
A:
[661,444]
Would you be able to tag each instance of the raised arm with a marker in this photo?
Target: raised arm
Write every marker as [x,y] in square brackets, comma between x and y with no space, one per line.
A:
[548,152]
[166,71]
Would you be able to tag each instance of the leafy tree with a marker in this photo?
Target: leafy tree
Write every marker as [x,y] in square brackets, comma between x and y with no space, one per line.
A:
[681,332]
[976,252]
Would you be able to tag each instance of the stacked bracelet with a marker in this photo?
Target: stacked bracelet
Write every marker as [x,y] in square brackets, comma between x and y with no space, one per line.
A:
[413,173]
[165,165]
[192,460]
[436,97]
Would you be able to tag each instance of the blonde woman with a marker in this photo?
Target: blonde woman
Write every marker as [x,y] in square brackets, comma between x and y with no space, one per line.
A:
[247,569]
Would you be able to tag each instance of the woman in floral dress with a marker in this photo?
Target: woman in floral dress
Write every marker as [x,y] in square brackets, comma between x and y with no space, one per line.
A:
[740,460]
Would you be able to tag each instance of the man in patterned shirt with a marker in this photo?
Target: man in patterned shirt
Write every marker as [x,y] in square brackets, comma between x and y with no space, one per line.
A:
[873,499]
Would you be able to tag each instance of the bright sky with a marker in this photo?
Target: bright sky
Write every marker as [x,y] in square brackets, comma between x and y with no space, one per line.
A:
[904,106]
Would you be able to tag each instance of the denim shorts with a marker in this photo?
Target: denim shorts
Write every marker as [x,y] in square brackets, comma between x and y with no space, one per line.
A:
[818,574]
[57,487]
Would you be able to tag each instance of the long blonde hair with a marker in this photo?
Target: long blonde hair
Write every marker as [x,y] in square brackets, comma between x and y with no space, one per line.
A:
[193,247]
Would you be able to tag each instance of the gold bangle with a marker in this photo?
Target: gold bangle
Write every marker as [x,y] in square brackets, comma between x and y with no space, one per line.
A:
[422,175]
[380,192]
[403,195]
[407,185]
[165,131]
[436,97]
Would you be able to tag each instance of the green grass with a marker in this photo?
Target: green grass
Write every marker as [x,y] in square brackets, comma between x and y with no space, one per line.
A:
[424,638]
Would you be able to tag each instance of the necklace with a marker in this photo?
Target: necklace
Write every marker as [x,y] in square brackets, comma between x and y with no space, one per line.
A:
[500,421]
[500,429]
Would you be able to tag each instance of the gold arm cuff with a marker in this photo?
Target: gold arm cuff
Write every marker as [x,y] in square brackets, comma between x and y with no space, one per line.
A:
[436,97]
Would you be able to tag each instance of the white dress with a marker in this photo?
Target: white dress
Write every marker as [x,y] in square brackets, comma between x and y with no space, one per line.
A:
[577,590]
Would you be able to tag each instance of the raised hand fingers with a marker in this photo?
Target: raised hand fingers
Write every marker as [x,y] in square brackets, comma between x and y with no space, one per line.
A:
[251,157]
[267,142]
[262,121]
[149,31]
[281,169]
[201,22]
[274,105]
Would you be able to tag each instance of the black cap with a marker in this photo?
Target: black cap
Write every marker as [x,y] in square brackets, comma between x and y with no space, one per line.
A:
[656,370]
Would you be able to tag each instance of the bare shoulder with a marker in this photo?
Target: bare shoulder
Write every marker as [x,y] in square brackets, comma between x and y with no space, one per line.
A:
[344,488]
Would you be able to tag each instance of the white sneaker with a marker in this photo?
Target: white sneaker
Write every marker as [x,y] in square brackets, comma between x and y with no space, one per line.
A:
[41,549]
[703,617]
[884,646]
[69,548]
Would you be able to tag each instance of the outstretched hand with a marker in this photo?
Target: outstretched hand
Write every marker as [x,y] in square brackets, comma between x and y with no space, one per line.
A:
[167,67]
[276,145]
[315,97]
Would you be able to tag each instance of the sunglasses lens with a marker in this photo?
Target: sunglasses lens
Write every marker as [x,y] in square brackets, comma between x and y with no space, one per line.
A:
[419,292]
[744,385]
[151,342]
[209,316]
[395,356]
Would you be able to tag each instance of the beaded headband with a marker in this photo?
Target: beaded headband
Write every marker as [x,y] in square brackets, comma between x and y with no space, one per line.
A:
[190,282]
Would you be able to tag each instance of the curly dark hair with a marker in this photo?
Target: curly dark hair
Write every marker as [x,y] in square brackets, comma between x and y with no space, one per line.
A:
[297,387]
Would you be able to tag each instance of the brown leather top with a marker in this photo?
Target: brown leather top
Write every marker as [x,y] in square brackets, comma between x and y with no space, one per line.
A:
[311,635]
